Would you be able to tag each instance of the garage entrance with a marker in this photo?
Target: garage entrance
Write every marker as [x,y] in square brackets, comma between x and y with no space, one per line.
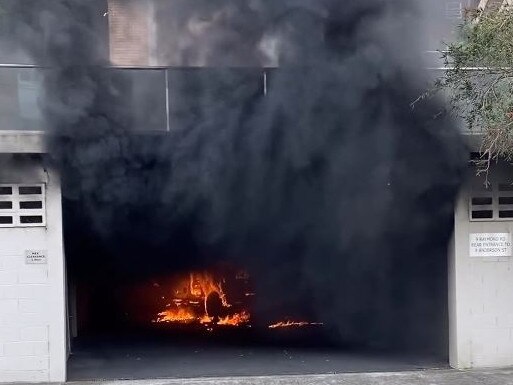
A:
[180,308]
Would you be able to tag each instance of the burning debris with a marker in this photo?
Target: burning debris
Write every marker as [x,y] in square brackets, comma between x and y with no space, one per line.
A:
[204,299]
[200,298]
[235,319]
[294,324]
[324,176]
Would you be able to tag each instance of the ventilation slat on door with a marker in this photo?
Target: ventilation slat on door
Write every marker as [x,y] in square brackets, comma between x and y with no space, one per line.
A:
[25,219]
[483,201]
[6,190]
[505,192]
[31,205]
[30,190]
[5,205]
[22,205]
[6,220]
[492,203]
[482,204]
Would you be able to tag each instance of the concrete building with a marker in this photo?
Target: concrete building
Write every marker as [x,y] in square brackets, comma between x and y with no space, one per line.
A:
[37,317]
[481,274]
[32,277]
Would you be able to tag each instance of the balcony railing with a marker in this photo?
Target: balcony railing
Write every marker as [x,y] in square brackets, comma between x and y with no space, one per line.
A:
[154,99]
[20,93]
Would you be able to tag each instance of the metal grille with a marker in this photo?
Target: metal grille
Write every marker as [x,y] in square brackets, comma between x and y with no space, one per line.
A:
[22,205]
[494,203]
[505,201]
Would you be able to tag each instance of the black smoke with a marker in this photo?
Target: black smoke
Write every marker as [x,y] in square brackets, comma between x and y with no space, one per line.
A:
[332,189]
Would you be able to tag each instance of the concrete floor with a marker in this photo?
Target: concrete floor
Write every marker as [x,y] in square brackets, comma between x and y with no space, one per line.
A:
[429,377]
[108,361]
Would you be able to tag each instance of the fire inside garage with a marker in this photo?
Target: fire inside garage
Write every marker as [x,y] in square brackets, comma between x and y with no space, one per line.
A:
[248,189]
[185,303]
[138,317]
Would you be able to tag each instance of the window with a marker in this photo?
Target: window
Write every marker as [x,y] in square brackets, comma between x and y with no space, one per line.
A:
[493,203]
[22,205]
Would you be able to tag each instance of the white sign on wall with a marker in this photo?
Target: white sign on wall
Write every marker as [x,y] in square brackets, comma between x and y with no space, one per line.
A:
[490,245]
[35,257]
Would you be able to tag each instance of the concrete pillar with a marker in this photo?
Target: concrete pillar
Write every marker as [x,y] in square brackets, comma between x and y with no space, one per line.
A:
[32,295]
[480,287]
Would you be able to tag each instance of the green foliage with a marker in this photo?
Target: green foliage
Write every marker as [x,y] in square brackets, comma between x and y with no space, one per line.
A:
[479,82]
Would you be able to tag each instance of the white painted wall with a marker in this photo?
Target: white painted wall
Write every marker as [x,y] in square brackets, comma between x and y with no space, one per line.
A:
[32,297]
[480,297]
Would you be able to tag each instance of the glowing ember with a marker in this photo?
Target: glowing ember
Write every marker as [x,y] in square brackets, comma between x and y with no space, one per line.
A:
[293,324]
[176,315]
[200,298]
[235,320]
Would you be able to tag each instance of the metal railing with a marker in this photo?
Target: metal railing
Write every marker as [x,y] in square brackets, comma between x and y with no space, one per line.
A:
[152,98]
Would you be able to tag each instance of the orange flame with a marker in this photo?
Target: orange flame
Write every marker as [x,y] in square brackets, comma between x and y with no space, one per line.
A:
[294,324]
[180,315]
[190,296]
[235,320]
[202,285]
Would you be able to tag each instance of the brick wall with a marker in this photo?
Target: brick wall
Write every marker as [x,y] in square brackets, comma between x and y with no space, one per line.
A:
[130,32]
[32,315]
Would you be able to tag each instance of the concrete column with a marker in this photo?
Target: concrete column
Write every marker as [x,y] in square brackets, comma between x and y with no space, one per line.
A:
[480,293]
[32,296]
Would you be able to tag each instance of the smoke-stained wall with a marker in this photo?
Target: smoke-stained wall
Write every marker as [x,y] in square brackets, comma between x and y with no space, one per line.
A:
[333,180]
[206,33]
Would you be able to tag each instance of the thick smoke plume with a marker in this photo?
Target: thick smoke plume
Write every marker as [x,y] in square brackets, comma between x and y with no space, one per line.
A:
[330,188]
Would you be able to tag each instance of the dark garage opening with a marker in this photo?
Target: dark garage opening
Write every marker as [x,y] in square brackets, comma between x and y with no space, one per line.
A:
[228,218]
[252,239]
[179,308]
